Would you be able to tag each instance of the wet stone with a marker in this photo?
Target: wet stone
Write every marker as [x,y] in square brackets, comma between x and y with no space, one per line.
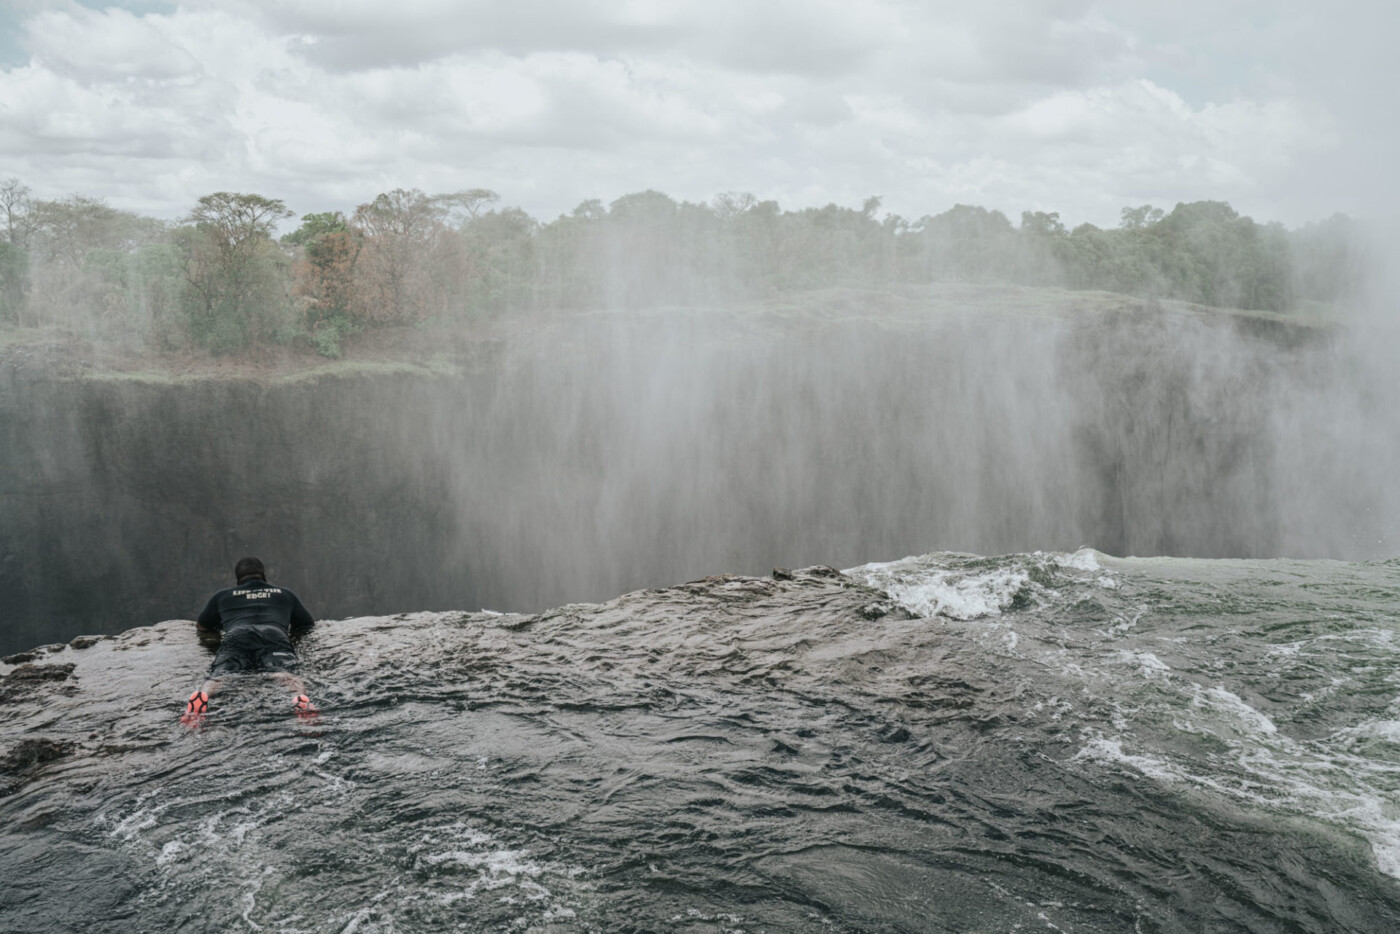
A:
[894,735]
[31,672]
[32,752]
[29,677]
[782,574]
[19,658]
[85,642]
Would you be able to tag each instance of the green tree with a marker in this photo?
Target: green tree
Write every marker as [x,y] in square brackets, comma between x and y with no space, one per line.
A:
[640,253]
[501,253]
[14,281]
[315,226]
[236,284]
[14,259]
[462,207]
[1041,224]
[965,243]
[324,279]
[137,293]
[74,281]
[1140,217]
[401,229]
[63,232]
[15,203]
[1329,259]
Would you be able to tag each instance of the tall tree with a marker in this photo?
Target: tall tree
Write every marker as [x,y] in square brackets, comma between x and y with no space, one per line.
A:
[501,260]
[65,231]
[237,224]
[14,261]
[14,281]
[393,282]
[15,202]
[463,207]
[237,290]
[324,278]
[1139,217]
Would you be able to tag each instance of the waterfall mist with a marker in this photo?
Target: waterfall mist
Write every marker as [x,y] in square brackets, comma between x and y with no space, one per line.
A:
[590,454]
[650,448]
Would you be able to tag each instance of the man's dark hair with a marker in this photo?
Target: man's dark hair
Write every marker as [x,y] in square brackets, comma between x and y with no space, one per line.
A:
[249,569]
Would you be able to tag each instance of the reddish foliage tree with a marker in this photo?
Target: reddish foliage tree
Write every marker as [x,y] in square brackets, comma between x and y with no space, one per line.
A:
[325,277]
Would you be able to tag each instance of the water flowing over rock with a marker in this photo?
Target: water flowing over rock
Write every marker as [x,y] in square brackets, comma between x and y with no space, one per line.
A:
[1047,741]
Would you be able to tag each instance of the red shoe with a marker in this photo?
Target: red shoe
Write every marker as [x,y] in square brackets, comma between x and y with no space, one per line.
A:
[195,710]
[304,709]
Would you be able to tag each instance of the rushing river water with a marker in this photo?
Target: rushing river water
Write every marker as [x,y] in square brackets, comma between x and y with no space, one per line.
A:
[1063,742]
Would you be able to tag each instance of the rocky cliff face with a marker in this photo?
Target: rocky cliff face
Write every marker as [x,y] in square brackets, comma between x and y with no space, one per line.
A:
[604,453]
[128,501]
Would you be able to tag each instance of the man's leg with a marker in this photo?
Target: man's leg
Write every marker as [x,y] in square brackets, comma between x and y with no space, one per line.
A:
[198,704]
[300,702]
[290,681]
[227,659]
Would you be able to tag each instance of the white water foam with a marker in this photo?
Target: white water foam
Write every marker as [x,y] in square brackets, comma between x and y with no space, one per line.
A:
[963,588]
[1387,731]
[1147,664]
[1269,769]
[1233,705]
[510,873]
[1085,559]
[927,590]
[1109,750]
[1325,787]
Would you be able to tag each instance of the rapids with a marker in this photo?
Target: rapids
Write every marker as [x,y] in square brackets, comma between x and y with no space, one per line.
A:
[1061,742]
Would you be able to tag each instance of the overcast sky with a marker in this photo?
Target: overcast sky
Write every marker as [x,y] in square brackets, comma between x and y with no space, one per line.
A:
[1285,108]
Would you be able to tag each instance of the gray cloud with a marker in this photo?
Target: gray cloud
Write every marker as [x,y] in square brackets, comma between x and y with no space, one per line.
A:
[1073,106]
[775,36]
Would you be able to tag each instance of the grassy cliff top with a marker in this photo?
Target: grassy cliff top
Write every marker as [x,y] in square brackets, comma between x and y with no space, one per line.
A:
[445,348]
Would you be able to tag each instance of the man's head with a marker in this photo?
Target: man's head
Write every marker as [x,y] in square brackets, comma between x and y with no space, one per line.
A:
[248,569]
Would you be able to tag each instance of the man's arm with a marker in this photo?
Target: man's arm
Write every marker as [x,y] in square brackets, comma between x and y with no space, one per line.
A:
[209,620]
[301,620]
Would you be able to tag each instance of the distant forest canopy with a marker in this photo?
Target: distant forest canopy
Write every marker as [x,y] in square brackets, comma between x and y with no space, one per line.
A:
[219,278]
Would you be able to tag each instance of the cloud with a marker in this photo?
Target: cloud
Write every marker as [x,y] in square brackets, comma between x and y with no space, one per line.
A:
[113,45]
[1068,106]
[765,36]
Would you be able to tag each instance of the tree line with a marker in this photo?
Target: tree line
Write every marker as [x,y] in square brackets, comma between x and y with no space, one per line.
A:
[221,279]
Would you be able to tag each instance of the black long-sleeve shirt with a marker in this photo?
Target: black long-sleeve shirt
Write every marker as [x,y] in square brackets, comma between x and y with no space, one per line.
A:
[257,605]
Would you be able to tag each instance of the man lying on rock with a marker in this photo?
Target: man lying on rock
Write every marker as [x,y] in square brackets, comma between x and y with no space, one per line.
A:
[257,621]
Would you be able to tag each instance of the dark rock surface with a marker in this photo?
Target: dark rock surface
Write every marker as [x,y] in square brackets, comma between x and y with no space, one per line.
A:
[30,752]
[29,672]
[28,677]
